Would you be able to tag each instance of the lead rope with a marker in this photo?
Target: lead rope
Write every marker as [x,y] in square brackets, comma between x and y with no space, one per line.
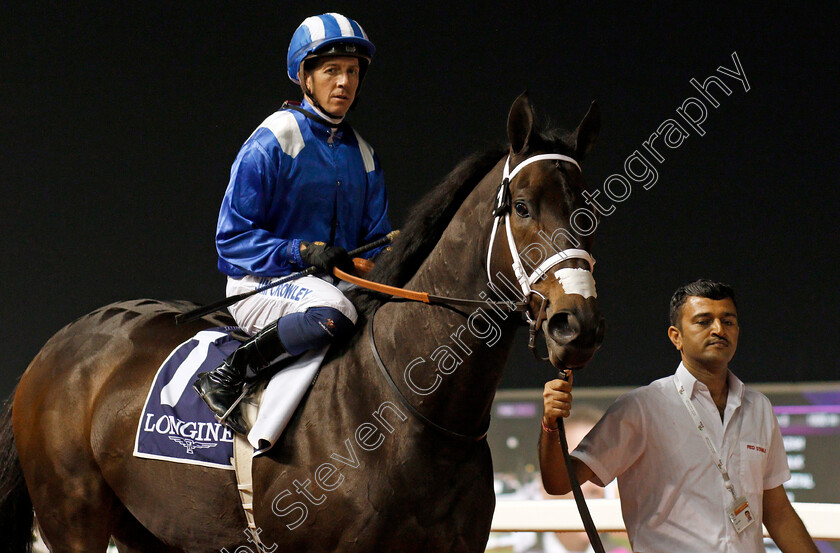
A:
[583,509]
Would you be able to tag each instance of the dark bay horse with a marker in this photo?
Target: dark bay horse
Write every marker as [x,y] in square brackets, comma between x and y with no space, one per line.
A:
[356,469]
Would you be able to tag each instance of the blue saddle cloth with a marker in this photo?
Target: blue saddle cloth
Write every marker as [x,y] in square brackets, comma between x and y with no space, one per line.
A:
[176,425]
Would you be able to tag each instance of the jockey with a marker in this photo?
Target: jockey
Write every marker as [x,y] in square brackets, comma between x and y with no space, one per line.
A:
[304,189]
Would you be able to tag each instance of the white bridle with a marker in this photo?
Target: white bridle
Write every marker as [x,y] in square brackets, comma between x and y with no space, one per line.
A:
[574,281]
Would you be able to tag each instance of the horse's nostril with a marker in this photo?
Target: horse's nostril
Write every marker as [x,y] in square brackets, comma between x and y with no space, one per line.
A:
[563,327]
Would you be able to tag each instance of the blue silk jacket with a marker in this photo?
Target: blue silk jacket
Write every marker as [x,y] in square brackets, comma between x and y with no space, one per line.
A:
[296,179]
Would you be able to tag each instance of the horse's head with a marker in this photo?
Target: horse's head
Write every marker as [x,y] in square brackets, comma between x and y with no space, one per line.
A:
[550,224]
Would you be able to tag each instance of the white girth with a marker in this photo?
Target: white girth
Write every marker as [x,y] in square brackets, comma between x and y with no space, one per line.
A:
[574,281]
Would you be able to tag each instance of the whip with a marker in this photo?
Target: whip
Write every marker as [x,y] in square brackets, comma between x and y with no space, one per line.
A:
[230,300]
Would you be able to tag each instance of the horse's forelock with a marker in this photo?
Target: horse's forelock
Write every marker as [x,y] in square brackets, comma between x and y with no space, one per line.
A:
[558,141]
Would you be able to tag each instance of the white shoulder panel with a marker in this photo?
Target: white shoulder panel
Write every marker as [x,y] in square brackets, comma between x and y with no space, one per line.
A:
[367,153]
[285,127]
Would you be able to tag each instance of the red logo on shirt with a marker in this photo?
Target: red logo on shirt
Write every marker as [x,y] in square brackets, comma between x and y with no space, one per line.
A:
[756,448]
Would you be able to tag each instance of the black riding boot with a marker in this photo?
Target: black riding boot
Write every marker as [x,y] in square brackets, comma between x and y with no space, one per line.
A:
[221,387]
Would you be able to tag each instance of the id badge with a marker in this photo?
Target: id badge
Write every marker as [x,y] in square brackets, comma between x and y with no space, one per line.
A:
[740,514]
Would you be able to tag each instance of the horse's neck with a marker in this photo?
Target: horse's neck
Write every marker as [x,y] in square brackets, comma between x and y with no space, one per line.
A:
[463,355]
[456,267]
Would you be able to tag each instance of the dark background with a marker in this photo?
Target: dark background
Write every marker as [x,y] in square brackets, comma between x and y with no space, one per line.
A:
[119,125]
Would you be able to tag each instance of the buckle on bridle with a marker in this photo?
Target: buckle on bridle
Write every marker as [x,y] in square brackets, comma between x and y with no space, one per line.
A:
[534,325]
[502,198]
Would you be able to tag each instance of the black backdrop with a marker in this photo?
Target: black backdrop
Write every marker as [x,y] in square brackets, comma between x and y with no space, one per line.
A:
[120,124]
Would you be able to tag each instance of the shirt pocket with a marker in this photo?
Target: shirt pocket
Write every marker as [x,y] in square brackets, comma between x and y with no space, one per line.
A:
[753,460]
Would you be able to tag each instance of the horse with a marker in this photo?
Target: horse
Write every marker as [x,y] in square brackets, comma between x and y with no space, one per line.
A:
[388,459]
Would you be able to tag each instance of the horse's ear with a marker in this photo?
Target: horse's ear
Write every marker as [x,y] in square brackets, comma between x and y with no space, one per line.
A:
[587,132]
[520,124]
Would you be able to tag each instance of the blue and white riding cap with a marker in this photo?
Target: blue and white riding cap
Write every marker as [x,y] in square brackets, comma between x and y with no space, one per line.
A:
[318,32]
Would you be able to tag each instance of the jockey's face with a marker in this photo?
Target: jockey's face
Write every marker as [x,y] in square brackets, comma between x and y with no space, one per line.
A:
[333,81]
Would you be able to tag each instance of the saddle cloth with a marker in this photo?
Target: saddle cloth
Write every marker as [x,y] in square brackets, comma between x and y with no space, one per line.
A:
[176,425]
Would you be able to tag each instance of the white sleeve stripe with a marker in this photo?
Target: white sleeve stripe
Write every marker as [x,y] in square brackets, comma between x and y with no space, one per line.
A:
[367,153]
[315,27]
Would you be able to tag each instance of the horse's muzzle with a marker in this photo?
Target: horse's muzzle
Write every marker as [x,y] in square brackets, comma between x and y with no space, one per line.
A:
[576,335]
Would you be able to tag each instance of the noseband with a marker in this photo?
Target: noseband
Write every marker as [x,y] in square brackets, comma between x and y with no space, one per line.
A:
[583,284]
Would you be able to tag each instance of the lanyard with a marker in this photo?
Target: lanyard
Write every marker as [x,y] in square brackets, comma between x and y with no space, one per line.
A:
[701,428]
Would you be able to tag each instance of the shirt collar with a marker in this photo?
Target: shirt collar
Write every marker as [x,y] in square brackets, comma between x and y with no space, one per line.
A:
[686,379]
[736,387]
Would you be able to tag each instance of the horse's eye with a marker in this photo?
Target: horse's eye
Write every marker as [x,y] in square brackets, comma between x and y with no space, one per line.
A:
[521,209]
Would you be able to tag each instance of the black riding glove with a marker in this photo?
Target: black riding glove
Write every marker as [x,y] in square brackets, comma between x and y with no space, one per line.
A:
[325,257]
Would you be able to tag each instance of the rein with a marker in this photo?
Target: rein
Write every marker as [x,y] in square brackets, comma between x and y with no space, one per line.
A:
[424,297]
